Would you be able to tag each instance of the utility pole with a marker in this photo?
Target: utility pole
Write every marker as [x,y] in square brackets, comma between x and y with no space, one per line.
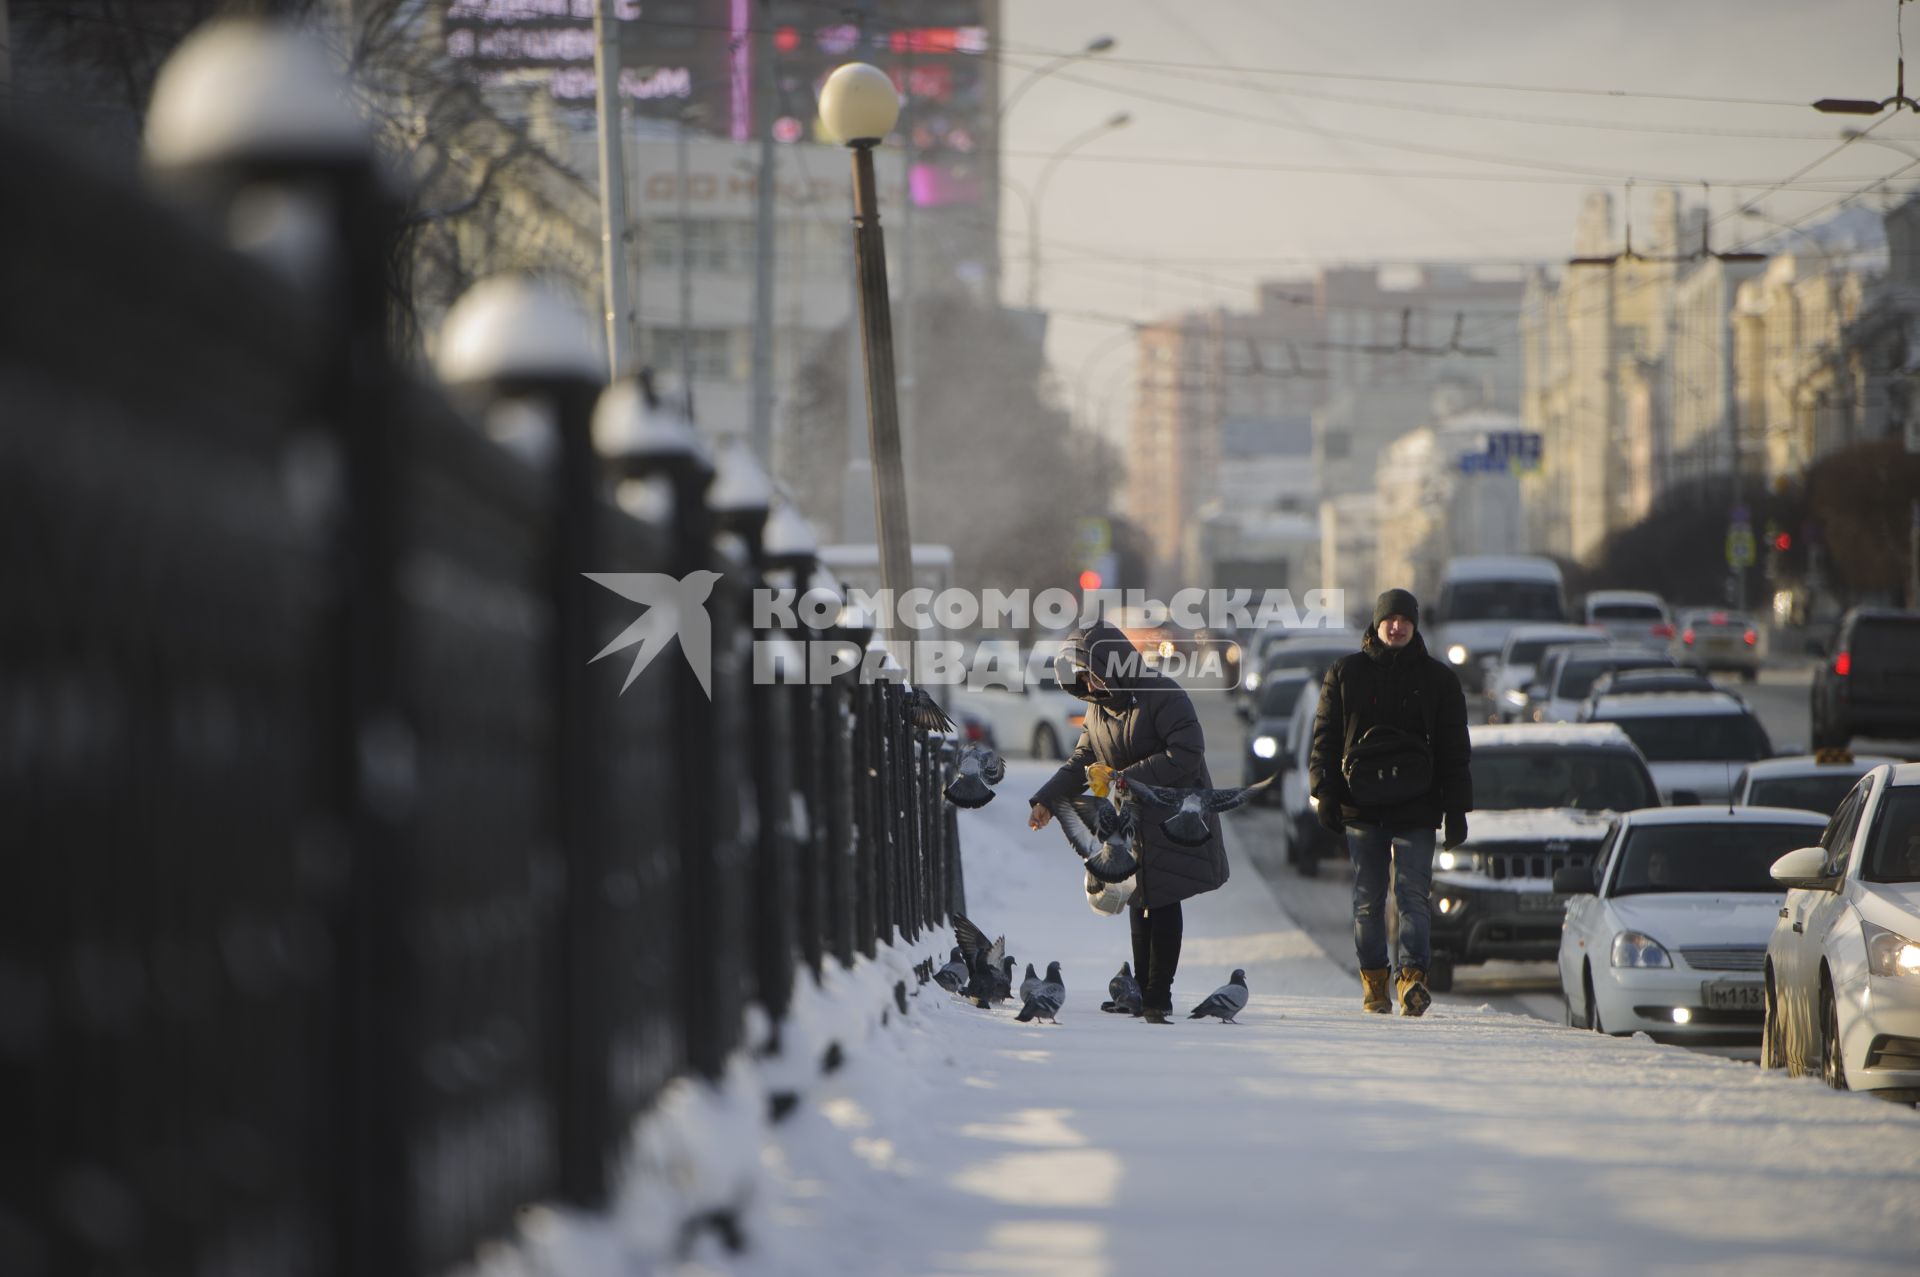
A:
[766,99]
[608,114]
[685,213]
[908,389]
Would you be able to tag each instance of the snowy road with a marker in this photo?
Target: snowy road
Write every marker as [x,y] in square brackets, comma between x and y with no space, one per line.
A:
[1308,1138]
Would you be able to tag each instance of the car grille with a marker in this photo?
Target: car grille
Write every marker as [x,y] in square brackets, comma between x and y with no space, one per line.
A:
[1742,958]
[1532,861]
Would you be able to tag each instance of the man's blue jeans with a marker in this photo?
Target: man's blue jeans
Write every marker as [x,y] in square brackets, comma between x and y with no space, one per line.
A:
[1375,849]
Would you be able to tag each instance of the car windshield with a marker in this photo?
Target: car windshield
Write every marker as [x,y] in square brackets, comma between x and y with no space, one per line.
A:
[1590,779]
[1893,851]
[1820,793]
[1701,857]
[1527,651]
[1576,677]
[1277,696]
[1503,601]
[1625,612]
[1314,660]
[1684,738]
[1887,641]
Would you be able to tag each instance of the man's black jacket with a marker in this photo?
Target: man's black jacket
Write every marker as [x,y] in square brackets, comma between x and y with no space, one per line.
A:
[1403,688]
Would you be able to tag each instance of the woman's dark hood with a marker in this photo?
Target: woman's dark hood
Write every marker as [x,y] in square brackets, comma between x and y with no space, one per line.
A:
[1104,649]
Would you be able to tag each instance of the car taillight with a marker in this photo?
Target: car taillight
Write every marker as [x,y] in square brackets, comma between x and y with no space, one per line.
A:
[1750,637]
[1842,663]
[1663,630]
[976,731]
[1687,638]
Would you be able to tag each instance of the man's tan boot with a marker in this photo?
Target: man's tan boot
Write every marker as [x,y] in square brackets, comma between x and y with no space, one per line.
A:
[1373,992]
[1414,998]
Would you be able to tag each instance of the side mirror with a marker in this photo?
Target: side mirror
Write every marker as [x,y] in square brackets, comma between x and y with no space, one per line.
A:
[1244,710]
[1574,882]
[1685,798]
[1804,867]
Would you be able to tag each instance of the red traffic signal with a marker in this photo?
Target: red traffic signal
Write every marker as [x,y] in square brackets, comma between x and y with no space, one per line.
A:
[1784,541]
[1089,580]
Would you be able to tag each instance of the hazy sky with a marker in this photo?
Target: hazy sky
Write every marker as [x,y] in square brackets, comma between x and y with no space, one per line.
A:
[1127,237]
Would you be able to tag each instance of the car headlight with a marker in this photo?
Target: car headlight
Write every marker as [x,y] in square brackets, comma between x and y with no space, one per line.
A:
[1516,697]
[1253,680]
[1452,860]
[1632,949]
[1313,802]
[1265,747]
[1889,953]
[1449,906]
[1457,654]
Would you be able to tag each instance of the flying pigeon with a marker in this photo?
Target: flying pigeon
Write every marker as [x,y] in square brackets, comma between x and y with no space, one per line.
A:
[1027,985]
[1044,1002]
[1227,1001]
[926,712]
[1188,825]
[954,975]
[1124,992]
[980,770]
[1101,833]
[983,960]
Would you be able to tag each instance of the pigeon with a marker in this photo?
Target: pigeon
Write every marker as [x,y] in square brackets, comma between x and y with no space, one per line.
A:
[1188,825]
[926,712]
[1227,1001]
[980,770]
[983,960]
[1124,992]
[1002,982]
[1044,1002]
[954,975]
[1101,833]
[1027,985]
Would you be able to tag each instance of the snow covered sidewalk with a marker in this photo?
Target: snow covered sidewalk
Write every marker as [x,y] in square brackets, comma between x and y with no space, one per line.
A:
[1307,1138]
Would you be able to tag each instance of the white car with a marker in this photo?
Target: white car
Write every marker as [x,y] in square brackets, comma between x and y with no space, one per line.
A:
[1631,616]
[1667,934]
[1811,782]
[1715,639]
[1695,743]
[1571,678]
[1511,672]
[1482,599]
[1843,965]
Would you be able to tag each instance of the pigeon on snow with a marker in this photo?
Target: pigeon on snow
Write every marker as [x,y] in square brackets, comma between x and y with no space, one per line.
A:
[1188,826]
[1027,985]
[1225,1002]
[980,770]
[983,961]
[954,975]
[1044,1002]
[1123,992]
[926,712]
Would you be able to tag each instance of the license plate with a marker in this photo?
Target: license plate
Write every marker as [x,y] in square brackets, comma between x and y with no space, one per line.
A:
[1729,995]
[1543,904]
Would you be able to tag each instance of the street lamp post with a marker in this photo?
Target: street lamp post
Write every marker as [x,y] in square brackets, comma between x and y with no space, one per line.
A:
[1119,120]
[859,106]
[1099,44]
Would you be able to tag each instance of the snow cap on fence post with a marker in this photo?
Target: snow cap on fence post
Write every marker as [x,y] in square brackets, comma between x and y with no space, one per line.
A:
[518,328]
[742,495]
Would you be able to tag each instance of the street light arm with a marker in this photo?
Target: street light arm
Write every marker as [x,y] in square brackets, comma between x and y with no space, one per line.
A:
[1099,44]
[1040,191]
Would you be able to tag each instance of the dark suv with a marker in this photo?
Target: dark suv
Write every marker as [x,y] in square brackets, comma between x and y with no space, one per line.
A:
[1869,683]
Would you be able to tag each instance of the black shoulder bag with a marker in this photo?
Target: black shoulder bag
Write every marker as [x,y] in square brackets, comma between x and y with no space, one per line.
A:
[1387,765]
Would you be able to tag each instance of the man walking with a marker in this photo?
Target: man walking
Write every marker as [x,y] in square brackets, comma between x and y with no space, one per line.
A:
[1388,767]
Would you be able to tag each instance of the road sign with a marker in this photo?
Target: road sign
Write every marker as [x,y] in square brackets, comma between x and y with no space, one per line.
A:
[1740,547]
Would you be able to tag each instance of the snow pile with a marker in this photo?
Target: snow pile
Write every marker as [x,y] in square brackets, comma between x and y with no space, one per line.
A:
[1308,1137]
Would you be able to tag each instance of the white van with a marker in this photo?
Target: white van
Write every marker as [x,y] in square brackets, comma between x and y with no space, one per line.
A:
[1482,598]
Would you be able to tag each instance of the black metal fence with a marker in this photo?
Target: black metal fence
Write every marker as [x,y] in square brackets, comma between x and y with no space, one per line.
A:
[348,907]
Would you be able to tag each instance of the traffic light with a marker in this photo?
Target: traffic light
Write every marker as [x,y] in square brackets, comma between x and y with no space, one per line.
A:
[1089,580]
[1783,541]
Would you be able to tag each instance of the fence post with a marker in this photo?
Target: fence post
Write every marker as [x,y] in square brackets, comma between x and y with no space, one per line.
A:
[788,549]
[522,343]
[250,123]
